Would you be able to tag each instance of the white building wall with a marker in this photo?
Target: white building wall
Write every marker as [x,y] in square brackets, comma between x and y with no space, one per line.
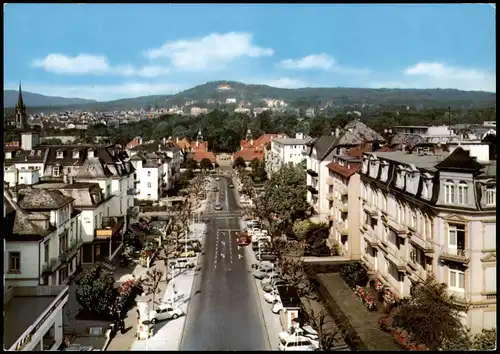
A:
[148,186]
[29,264]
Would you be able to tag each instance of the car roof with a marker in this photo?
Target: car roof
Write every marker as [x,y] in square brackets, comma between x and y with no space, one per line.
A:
[290,337]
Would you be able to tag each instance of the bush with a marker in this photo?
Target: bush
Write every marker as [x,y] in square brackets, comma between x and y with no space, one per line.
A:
[354,274]
[95,291]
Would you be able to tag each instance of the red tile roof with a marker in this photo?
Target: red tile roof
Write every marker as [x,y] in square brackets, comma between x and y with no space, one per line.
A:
[201,146]
[133,143]
[249,154]
[260,142]
[343,170]
[200,155]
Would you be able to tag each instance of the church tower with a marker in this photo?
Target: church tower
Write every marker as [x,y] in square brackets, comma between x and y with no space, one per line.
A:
[21,118]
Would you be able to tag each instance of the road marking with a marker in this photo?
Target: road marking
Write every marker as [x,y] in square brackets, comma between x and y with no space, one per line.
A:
[230,247]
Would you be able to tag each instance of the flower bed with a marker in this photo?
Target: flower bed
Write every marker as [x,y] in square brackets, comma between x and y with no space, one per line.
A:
[400,336]
[365,297]
[124,294]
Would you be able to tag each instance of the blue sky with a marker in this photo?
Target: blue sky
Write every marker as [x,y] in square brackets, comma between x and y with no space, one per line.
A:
[104,51]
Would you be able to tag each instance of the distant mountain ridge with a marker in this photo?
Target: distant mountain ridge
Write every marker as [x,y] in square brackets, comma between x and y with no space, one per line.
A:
[36,100]
[256,93]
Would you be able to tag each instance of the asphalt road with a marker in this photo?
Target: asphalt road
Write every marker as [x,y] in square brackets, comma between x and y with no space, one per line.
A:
[224,311]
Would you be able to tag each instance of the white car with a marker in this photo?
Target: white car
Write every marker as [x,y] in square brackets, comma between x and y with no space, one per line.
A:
[165,312]
[277,306]
[271,297]
[270,279]
[288,342]
[308,332]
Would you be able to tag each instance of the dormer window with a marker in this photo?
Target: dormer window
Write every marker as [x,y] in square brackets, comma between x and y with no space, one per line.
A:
[76,154]
[400,178]
[365,166]
[32,153]
[385,171]
[90,152]
[56,171]
[491,195]
[8,155]
[463,189]
[59,154]
[449,192]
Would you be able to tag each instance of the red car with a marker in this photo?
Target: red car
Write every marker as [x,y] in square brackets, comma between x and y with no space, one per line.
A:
[243,239]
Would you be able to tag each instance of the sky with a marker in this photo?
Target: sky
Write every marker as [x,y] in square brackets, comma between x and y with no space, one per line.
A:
[112,51]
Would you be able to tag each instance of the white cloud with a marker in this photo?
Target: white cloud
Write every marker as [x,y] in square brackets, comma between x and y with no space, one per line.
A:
[284,82]
[83,64]
[320,61]
[440,75]
[103,92]
[314,61]
[212,51]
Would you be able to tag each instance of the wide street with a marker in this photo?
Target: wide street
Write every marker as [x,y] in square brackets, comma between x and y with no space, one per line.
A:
[224,311]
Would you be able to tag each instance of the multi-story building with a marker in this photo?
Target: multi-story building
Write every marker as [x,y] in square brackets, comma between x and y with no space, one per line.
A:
[433,212]
[321,152]
[43,237]
[284,151]
[149,167]
[251,149]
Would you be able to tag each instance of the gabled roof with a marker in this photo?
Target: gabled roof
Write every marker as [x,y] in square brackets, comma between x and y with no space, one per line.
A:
[94,168]
[249,154]
[42,199]
[459,160]
[200,155]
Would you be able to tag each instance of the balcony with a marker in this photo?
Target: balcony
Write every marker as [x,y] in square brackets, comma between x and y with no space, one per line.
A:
[312,190]
[372,211]
[51,265]
[330,217]
[344,207]
[370,238]
[424,245]
[312,173]
[133,211]
[131,191]
[136,182]
[110,227]
[330,197]
[329,181]
[343,190]
[460,298]
[400,230]
[458,255]
[397,258]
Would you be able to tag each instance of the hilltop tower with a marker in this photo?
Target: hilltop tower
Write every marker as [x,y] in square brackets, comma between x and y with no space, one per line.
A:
[21,118]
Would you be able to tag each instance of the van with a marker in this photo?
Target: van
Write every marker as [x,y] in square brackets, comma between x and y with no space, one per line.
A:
[288,342]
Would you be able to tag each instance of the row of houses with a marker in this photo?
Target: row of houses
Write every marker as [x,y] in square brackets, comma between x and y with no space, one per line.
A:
[408,212]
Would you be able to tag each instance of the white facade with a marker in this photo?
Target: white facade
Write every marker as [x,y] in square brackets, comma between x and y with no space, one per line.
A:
[150,180]
[14,176]
[453,237]
[317,173]
[285,151]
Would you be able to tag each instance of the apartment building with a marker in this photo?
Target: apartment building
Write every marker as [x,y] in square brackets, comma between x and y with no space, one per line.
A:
[150,167]
[43,237]
[321,152]
[433,212]
[284,151]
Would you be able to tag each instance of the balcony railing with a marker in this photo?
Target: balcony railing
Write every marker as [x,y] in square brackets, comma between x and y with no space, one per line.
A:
[329,181]
[397,258]
[330,217]
[51,265]
[458,255]
[424,245]
[312,173]
[131,191]
[343,191]
[460,298]
[369,236]
[370,209]
[401,230]
[330,196]
[110,226]
[312,190]
[344,207]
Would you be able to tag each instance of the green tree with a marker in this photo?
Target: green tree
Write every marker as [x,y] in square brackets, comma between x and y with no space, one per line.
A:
[258,170]
[432,318]
[192,164]
[95,290]
[285,194]
[239,162]
[152,283]
[206,164]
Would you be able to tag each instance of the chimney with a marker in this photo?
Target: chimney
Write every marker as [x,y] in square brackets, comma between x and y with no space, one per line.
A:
[337,132]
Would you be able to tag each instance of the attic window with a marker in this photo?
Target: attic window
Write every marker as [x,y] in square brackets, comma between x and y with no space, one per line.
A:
[76,154]
[55,171]
[59,154]
[32,153]
[39,153]
[8,155]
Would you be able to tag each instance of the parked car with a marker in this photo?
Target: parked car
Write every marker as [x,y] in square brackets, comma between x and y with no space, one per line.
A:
[266,256]
[260,274]
[288,342]
[270,279]
[277,306]
[182,263]
[308,332]
[270,287]
[271,296]
[188,253]
[165,312]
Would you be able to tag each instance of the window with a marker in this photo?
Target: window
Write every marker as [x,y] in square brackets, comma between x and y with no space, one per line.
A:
[462,192]
[63,243]
[97,250]
[491,194]
[14,262]
[413,219]
[449,192]
[59,154]
[457,280]
[384,203]
[149,196]
[413,254]
[55,172]
[46,251]
[456,237]
[425,190]
[149,173]
[149,184]
[374,198]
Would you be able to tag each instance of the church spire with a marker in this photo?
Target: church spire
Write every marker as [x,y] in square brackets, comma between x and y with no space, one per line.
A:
[20,103]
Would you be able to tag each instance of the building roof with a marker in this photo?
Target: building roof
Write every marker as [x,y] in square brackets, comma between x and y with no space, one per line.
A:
[45,199]
[94,168]
[85,194]
[37,155]
[347,170]
[459,160]
[200,155]
[323,145]
[249,154]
